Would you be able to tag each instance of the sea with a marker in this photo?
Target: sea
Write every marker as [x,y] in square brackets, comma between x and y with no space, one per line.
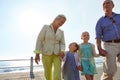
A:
[24,65]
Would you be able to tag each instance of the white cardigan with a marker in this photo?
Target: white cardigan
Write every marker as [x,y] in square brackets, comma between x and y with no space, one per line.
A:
[49,42]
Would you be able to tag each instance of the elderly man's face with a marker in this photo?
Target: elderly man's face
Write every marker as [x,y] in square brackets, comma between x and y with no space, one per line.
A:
[108,5]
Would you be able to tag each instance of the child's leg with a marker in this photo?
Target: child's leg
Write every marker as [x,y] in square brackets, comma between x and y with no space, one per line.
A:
[88,77]
[92,77]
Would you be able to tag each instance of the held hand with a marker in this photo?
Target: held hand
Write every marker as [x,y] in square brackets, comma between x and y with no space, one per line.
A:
[37,58]
[62,54]
[103,52]
[80,68]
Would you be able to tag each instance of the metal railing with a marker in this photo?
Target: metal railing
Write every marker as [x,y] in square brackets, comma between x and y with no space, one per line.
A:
[30,66]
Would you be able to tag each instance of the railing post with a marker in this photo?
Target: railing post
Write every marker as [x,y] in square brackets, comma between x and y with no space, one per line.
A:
[31,68]
[31,65]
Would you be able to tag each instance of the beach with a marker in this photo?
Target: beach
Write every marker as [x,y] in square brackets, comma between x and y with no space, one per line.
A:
[38,75]
[100,69]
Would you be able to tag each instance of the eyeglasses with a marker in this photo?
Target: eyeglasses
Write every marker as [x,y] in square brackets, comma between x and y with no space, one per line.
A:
[112,19]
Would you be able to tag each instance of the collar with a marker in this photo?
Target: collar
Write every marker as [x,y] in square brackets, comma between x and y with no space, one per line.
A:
[51,26]
[113,14]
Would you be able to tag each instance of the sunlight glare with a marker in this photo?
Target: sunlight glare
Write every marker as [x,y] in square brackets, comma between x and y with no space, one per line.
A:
[31,21]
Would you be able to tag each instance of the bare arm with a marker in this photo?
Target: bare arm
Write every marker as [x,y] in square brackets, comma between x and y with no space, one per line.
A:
[102,52]
[94,51]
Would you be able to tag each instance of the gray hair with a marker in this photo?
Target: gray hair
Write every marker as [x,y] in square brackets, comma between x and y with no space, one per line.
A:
[61,16]
[108,0]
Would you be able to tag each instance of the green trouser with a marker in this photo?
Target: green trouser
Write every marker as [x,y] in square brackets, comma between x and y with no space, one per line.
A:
[48,61]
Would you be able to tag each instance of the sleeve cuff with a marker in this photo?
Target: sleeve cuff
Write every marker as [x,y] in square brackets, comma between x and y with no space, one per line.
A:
[36,52]
[62,51]
[78,64]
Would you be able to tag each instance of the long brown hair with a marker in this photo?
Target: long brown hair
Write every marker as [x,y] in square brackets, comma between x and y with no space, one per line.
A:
[76,45]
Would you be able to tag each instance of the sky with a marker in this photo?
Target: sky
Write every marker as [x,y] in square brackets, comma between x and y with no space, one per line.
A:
[22,20]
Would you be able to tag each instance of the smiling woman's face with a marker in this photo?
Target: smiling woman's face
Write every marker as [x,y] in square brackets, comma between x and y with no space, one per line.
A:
[59,22]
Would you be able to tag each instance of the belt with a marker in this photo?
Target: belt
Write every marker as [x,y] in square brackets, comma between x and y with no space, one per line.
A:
[114,41]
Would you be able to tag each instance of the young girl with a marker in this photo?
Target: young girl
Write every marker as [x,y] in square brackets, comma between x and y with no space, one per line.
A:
[71,63]
[87,54]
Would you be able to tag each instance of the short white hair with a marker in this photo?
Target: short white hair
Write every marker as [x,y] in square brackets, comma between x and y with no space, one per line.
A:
[61,16]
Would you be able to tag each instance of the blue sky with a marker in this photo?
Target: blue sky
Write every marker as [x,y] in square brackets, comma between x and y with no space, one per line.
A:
[21,21]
